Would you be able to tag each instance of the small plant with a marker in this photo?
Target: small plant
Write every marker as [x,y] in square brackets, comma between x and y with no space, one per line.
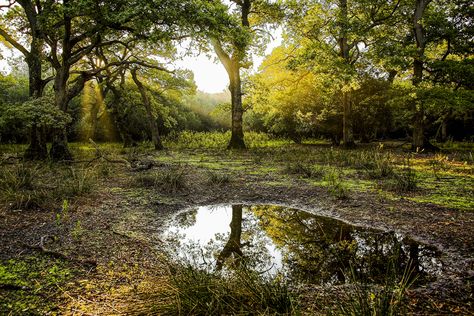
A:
[77,230]
[406,180]
[439,163]
[335,184]
[104,170]
[19,188]
[77,181]
[21,176]
[304,170]
[173,179]
[169,180]
[62,214]
[146,180]
[378,165]
[217,178]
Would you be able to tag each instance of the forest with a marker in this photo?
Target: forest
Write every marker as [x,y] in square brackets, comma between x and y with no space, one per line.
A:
[333,175]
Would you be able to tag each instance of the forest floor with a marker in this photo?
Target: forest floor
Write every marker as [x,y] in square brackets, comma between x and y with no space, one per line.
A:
[85,238]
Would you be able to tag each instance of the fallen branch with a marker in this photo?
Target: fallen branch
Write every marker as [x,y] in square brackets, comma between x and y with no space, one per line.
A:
[59,255]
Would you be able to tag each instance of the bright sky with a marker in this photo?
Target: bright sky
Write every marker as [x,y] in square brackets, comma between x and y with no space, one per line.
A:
[210,75]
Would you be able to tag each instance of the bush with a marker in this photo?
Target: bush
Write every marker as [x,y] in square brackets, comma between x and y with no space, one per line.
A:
[28,186]
[378,165]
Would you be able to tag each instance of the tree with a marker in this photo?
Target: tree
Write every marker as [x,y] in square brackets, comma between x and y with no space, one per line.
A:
[233,52]
[335,35]
[293,102]
[30,18]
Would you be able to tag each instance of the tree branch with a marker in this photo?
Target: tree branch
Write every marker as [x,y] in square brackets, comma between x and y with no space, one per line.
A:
[14,43]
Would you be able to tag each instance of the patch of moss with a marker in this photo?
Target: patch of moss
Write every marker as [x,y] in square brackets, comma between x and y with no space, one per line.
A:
[28,286]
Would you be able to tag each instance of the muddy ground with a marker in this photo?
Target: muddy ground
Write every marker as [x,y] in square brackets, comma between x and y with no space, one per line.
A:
[110,239]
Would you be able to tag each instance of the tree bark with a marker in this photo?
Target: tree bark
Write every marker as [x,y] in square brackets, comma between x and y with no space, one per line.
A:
[232,67]
[59,146]
[347,127]
[37,148]
[420,141]
[155,136]
[235,87]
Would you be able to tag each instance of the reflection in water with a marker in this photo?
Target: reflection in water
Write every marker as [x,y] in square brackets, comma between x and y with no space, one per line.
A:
[296,244]
[232,245]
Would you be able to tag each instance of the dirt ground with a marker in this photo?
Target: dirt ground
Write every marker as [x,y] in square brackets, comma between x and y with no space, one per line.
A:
[111,239]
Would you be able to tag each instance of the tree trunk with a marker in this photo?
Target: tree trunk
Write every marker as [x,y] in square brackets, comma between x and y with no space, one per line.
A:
[59,146]
[444,131]
[155,136]
[347,128]
[232,67]
[235,87]
[347,131]
[420,141]
[37,149]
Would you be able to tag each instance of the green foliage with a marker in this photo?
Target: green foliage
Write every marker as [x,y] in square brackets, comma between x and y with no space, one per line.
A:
[40,112]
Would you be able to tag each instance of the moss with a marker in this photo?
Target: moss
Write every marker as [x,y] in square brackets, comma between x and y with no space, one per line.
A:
[30,284]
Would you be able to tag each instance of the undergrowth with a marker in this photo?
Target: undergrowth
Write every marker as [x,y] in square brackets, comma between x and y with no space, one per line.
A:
[34,186]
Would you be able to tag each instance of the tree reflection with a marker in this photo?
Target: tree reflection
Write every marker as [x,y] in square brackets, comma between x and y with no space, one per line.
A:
[233,245]
[297,245]
[324,250]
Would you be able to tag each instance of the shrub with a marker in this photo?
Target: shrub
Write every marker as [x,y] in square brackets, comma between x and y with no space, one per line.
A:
[77,181]
[378,165]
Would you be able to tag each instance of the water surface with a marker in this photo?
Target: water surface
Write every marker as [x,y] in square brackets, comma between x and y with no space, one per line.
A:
[295,244]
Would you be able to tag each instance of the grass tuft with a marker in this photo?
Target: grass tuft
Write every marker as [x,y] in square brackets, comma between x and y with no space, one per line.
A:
[198,292]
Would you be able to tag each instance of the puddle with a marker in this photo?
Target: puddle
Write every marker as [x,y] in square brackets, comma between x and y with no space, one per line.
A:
[296,245]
